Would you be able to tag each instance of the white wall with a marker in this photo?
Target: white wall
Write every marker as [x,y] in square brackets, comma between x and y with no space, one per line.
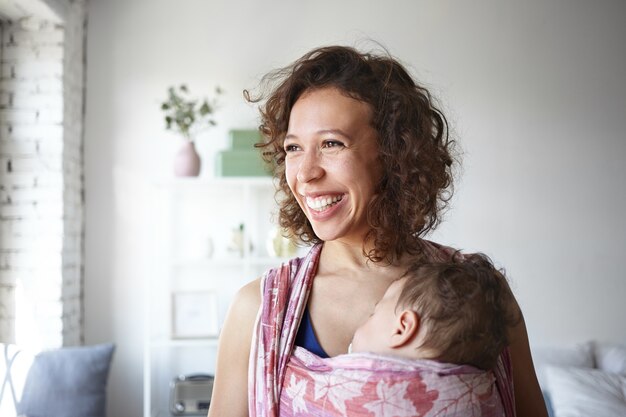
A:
[535,92]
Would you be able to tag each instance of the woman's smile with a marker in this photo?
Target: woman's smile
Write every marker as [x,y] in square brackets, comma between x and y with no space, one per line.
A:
[320,204]
[325,207]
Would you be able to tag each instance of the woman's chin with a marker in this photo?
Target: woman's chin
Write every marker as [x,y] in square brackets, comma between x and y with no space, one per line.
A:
[328,235]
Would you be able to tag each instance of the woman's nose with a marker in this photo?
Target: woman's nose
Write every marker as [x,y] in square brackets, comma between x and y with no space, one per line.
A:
[310,167]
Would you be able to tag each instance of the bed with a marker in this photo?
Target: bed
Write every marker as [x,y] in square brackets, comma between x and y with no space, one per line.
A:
[583,380]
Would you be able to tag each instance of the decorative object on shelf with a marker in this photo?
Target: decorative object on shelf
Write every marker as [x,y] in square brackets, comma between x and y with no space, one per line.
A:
[242,159]
[187,161]
[188,117]
[280,246]
[236,242]
[194,315]
[209,247]
[190,395]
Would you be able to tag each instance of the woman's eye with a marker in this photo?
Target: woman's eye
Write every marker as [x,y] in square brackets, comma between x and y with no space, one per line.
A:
[333,144]
[291,148]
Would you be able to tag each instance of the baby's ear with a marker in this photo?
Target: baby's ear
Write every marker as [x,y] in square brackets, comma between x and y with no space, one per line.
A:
[407,327]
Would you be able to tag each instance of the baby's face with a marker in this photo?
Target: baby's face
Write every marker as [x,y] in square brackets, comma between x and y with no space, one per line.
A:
[375,333]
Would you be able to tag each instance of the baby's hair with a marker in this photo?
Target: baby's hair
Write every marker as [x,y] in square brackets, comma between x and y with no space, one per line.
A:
[466,306]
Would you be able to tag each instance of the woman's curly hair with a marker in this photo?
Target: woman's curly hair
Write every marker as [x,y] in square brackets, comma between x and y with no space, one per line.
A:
[413,144]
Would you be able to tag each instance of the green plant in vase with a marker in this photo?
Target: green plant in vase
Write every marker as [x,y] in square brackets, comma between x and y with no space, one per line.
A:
[188,116]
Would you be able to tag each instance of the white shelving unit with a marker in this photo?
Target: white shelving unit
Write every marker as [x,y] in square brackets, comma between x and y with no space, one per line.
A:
[194,224]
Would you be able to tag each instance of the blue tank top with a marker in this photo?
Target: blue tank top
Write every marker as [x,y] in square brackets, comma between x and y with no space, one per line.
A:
[305,337]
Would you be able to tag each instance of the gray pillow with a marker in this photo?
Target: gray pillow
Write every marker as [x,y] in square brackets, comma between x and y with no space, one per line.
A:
[67,382]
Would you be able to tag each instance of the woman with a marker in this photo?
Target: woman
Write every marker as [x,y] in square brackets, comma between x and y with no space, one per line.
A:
[365,160]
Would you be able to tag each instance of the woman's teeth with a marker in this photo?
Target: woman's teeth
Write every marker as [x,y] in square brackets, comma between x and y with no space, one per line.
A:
[322,203]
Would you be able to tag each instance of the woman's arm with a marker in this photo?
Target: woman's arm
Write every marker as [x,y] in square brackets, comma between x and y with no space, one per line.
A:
[529,401]
[230,390]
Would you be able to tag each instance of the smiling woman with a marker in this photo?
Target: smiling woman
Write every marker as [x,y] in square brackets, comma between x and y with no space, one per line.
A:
[364,160]
[415,180]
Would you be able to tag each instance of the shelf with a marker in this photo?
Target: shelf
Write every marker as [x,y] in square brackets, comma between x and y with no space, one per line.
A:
[197,217]
[206,263]
[268,261]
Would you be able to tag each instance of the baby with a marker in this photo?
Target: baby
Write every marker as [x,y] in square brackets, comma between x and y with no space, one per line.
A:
[455,312]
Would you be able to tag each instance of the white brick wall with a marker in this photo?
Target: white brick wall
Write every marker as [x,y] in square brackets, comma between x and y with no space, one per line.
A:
[73,196]
[41,178]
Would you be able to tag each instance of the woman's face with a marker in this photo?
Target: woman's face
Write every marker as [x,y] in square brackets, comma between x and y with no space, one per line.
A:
[332,163]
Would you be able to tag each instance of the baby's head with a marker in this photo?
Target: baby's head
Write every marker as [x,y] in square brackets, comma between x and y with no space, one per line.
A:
[456,312]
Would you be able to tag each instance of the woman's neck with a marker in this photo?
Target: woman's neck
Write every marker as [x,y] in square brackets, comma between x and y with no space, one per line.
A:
[339,255]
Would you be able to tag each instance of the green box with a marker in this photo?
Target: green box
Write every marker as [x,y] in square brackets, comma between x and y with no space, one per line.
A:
[240,163]
[244,139]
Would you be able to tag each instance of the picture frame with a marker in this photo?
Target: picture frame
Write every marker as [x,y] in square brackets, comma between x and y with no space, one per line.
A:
[194,315]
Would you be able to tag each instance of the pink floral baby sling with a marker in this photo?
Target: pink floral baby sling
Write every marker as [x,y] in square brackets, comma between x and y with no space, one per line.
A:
[288,381]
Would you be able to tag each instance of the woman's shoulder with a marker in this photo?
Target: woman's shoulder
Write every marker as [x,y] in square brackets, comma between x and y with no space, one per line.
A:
[247,300]
[249,297]
[436,252]
[250,290]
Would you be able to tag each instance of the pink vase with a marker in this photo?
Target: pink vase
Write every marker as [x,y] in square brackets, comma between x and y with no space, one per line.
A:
[187,161]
